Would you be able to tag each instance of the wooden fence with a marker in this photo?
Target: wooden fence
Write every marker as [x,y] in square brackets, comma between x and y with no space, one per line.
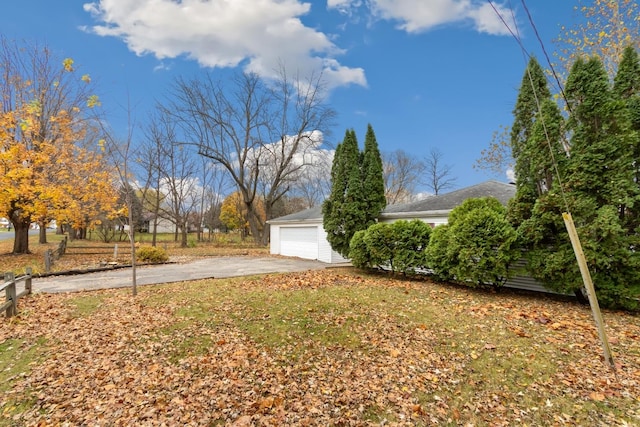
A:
[108,251]
[115,249]
[10,307]
[51,255]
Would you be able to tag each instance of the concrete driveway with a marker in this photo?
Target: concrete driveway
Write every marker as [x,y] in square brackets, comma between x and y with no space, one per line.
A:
[214,267]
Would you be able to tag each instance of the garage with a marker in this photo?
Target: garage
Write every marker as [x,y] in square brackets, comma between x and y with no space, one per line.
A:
[301,235]
[299,242]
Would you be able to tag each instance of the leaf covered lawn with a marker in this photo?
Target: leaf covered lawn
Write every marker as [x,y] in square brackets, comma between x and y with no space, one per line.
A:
[319,348]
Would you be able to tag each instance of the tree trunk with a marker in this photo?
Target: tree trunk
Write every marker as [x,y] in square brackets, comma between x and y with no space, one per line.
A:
[266,233]
[183,242]
[155,230]
[43,232]
[254,223]
[21,240]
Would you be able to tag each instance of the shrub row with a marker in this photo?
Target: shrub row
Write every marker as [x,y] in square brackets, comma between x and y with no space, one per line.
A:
[475,247]
[399,246]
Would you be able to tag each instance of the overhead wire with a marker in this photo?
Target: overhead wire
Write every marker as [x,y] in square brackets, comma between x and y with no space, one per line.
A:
[567,217]
[515,33]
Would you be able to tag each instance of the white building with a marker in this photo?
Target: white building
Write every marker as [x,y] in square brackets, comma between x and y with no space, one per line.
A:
[302,235]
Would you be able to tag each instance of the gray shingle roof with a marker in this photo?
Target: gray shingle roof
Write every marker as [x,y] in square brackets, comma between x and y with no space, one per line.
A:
[312,215]
[442,202]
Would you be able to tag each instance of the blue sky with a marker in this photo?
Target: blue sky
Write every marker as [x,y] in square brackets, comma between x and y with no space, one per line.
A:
[424,73]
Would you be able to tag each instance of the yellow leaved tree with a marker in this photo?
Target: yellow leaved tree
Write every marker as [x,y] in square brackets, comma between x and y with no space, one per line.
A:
[233,213]
[51,165]
[603,28]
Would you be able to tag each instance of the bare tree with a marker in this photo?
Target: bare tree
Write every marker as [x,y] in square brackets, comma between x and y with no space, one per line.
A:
[121,153]
[152,162]
[255,130]
[402,173]
[497,158]
[215,184]
[178,172]
[438,176]
[314,181]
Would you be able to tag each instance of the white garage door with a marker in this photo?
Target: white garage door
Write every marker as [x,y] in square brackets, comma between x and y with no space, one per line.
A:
[299,241]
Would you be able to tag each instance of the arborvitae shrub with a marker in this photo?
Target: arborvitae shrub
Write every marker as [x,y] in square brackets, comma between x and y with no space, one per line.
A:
[360,256]
[399,247]
[412,240]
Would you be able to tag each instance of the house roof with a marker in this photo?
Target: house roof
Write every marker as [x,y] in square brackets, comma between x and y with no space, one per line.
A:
[446,202]
[440,204]
[313,214]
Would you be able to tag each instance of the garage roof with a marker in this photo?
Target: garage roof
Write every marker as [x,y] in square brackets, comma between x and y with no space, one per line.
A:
[313,214]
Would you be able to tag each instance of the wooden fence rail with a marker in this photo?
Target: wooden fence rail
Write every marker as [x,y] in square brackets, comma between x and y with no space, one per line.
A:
[10,307]
[50,256]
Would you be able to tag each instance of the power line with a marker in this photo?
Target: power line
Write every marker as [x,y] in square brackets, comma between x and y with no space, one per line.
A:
[546,55]
[526,57]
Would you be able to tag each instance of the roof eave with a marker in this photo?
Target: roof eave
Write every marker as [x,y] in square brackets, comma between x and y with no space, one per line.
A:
[415,214]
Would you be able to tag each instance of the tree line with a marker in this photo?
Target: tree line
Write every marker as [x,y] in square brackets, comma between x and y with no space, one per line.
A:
[264,145]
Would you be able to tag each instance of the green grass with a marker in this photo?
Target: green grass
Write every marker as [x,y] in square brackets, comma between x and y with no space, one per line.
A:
[479,356]
[16,359]
[86,305]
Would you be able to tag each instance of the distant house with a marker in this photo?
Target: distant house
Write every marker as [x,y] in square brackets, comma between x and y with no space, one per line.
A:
[163,225]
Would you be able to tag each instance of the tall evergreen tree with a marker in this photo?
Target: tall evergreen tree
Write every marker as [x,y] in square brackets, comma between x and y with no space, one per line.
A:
[372,178]
[533,88]
[626,87]
[342,211]
[357,191]
[530,150]
[597,186]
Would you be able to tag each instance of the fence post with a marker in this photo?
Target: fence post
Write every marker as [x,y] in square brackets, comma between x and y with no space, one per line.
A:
[47,260]
[115,252]
[10,293]
[27,281]
[63,246]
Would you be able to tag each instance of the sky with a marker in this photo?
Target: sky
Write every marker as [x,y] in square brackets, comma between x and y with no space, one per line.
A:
[425,74]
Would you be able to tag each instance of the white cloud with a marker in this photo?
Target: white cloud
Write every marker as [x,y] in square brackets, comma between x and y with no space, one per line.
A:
[416,16]
[344,6]
[255,34]
[511,175]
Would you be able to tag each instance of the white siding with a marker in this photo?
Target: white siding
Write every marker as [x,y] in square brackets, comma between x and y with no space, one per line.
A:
[325,253]
[300,242]
[432,220]
[274,243]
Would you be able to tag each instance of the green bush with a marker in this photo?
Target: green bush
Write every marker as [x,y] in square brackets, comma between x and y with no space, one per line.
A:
[151,254]
[380,243]
[438,256]
[484,244]
[399,246]
[358,251]
[476,247]
[412,240]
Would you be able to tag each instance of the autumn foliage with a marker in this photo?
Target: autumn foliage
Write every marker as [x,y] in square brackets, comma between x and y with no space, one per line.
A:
[50,160]
[316,348]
